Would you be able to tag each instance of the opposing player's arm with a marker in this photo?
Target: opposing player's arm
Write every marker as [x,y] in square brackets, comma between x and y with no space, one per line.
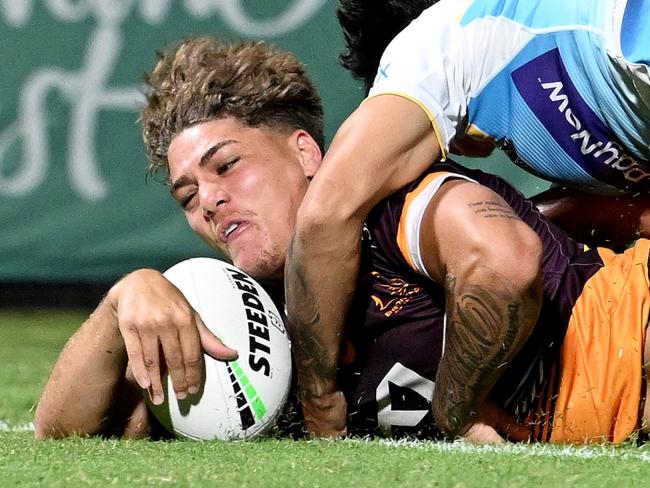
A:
[489,263]
[384,144]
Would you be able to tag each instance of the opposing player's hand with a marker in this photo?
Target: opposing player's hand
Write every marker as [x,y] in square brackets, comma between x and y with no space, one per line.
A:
[161,330]
[325,415]
[492,425]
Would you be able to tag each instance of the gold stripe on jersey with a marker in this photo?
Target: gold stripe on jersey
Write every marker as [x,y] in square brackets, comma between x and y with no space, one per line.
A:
[460,16]
[477,133]
[601,360]
[436,129]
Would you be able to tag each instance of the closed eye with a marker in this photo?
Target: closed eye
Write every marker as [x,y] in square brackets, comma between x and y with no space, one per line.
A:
[186,201]
[227,165]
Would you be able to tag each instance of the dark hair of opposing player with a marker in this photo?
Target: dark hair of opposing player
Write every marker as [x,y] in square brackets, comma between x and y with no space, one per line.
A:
[368,27]
[204,79]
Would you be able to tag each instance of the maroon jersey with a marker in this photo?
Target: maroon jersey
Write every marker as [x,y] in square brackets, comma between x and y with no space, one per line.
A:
[395,332]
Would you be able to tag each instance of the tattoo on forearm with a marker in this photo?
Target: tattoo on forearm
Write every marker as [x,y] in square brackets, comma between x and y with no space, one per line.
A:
[310,353]
[492,209]
[483,327]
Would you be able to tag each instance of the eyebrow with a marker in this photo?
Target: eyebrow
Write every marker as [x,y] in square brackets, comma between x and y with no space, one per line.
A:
[202,162]
[213,150]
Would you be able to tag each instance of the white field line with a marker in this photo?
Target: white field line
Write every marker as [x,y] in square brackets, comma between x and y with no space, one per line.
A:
[5,427]
[542,450]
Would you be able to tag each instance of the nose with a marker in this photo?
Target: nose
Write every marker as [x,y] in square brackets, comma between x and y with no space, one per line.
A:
[211,200]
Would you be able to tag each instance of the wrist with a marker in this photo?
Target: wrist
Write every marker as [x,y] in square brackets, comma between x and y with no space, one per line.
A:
[451,419]
[325,415]
[128,284]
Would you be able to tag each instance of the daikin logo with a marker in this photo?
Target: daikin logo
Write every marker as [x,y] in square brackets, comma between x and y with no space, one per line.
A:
[549,92]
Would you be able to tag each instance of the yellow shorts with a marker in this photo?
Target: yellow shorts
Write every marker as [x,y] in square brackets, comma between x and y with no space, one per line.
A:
[600,375]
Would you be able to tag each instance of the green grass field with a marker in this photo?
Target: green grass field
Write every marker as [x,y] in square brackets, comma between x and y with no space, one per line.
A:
[29,344]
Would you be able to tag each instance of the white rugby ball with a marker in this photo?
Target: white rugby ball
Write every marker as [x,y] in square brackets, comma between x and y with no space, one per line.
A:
[239,399]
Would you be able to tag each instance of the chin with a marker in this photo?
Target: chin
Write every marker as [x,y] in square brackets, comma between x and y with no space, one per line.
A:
[261,270]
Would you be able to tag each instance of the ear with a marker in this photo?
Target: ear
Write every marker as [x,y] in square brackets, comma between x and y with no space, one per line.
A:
[308,151]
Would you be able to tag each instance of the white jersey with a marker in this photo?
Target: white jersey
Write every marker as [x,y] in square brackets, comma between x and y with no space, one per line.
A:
[562,85]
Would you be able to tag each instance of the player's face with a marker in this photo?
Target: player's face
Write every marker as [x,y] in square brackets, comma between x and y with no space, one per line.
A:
[240,189]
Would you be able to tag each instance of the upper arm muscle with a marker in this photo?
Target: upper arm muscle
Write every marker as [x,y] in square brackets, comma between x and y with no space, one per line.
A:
[467,224]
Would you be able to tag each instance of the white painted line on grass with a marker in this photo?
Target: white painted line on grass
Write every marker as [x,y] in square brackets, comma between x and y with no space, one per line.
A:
[6,427]
[544,450]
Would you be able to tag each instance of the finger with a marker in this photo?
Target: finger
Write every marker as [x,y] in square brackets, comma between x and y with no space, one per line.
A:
[173,357]
[136,359]
[151,359]
[213,345]
[190,343]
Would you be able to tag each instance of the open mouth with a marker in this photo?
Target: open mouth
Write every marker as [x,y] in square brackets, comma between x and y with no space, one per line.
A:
[231,228]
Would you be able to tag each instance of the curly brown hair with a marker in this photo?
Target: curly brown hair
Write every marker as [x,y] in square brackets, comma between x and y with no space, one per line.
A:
[204,79]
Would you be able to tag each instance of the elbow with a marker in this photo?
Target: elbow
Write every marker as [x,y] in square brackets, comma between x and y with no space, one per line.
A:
[50,422]
[519,267]
[328,216]
[55,429]
[512,264]
[46,423]
[48,429]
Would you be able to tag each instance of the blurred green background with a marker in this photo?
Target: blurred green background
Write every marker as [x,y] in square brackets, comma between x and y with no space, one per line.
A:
[74,204]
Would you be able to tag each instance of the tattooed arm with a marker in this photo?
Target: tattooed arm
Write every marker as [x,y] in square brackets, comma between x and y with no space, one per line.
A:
[323,258]
[489,263]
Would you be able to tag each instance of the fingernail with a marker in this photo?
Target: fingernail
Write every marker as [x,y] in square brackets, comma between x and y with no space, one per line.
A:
[181,395]
[193,390]
[157,399]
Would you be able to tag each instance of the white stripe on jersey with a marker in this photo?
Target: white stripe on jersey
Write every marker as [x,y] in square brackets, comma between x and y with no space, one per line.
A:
[415,215]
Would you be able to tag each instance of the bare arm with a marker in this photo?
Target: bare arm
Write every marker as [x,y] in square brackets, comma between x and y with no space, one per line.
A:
[612,221]
[385,144]
[489,263]
[82,387]
[86,391]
